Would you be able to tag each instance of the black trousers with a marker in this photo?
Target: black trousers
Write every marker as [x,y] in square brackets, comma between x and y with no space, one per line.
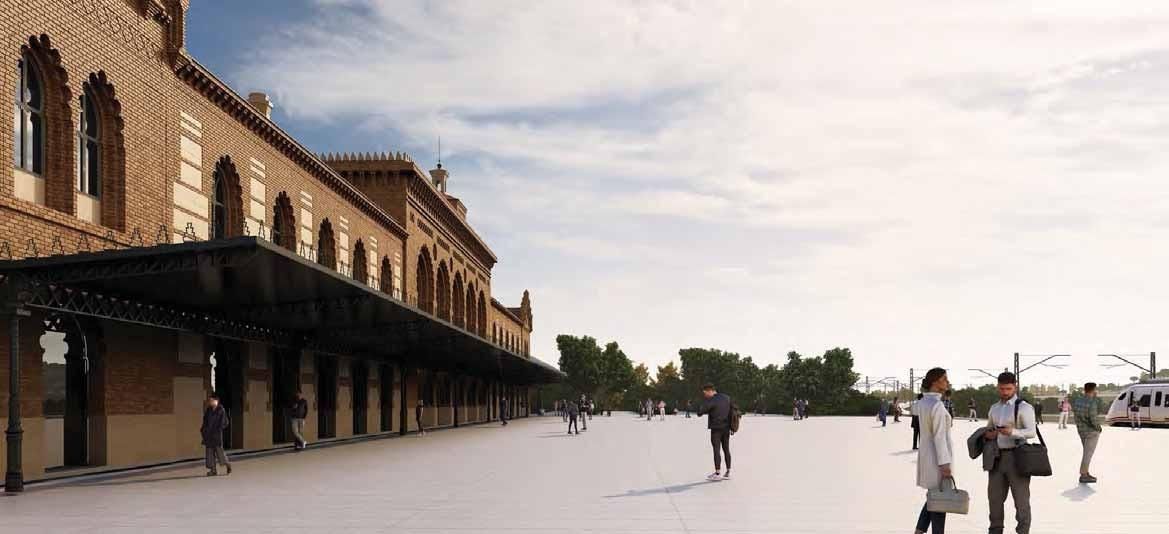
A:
[935,519]
[916,436]
[572,424]
[721,438]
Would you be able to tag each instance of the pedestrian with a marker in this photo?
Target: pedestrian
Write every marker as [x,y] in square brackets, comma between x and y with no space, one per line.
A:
[972,407]
[1065,407]
[915,420]
[1134,411]
[418,410]
[215,422]
[1088,426]
[1039,411]
[883,413]
[717,409]
[661,410]
[564,410]
[1009,431]
[573,412]
[584,412]
[936,454]
[896,410]
[804,408]
[299,414]
[795,409]
[504,412]
[649,409]
[948,402]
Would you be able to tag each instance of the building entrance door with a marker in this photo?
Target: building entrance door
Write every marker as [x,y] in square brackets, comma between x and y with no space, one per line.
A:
[227,379]
[360,375]
[285,383]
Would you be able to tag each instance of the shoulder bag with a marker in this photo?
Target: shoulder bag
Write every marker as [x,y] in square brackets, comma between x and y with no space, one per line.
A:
[1031,459]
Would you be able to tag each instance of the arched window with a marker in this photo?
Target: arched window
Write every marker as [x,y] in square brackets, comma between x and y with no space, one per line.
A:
[471,322]
[28,126]
[425,281]
[42,127]
[227,203]
[284,223]
[481,320]
[457,299]
[494,333]
[387,276]
[326,245]
[360,264]
[443,292]
[88,147]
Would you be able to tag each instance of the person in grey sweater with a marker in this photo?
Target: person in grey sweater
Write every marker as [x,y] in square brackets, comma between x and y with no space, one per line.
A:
[717,409]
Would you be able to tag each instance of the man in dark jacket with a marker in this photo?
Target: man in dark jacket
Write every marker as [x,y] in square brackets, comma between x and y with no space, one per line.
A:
[503,410]
[717,409]
[215,421]
[299,414]
[573,412]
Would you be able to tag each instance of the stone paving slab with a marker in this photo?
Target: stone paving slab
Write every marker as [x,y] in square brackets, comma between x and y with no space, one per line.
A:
[823,475]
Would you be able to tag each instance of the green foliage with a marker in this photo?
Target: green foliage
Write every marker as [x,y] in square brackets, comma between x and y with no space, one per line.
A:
[604,375]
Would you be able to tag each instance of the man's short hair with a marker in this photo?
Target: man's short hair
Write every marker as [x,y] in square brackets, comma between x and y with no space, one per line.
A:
[1007,377]
[708,387]
[1089,387]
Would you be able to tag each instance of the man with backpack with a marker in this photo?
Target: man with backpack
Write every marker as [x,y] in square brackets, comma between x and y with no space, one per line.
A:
[722,419]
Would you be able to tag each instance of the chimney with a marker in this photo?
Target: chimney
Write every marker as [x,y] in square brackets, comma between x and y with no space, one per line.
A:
[439,175]
[261,102]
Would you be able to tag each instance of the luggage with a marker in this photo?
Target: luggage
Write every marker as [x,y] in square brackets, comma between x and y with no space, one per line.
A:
[948,500]
[1031,459]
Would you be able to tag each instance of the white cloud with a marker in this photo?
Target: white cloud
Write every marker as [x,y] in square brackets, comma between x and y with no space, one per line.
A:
[931,181]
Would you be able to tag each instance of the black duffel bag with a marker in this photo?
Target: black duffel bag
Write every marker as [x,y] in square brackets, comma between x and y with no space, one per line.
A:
[1031,459]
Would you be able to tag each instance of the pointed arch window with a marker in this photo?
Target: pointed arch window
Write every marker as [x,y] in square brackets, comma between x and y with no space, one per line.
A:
[88,147]
[360,264]
[284,223]
[387,277]
[219,209]
[28,128]
[327,244]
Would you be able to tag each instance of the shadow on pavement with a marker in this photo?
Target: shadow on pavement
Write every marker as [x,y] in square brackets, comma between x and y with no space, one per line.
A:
[903,453]
[140,481]
[1079,493]
[656,491]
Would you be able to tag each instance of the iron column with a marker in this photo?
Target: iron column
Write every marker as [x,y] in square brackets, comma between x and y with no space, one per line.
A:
[14,476]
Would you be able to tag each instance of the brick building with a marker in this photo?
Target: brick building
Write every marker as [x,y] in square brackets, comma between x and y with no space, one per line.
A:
[162,238]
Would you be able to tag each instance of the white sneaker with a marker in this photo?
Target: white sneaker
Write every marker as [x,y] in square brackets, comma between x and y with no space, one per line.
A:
[714,477]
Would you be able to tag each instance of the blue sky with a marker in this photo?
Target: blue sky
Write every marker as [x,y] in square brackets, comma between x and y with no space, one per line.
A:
[931,183]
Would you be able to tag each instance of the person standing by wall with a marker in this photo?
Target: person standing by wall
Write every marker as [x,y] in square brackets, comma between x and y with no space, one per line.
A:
[215,421]
[936,454]
[1009,431]
[717,410]
[299,413]
[504,414]
[418,412]
[1065,408]
[1088,426]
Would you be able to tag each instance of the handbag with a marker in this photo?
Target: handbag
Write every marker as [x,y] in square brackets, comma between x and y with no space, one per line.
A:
[948,501]
[1031,459]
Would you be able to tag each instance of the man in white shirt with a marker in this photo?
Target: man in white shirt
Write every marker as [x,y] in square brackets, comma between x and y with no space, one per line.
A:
[1009,432]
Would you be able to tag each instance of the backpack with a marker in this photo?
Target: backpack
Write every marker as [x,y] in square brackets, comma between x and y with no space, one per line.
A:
[736,416]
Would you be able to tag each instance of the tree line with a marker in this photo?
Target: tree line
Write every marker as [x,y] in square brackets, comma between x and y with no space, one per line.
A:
[610,378]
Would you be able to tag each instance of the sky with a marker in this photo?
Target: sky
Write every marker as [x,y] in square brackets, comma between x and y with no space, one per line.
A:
[927,183]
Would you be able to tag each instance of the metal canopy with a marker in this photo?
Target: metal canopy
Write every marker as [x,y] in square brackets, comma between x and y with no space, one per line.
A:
[250,288]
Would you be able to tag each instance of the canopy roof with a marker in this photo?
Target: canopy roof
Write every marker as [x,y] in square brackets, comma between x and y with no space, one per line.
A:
[250,288]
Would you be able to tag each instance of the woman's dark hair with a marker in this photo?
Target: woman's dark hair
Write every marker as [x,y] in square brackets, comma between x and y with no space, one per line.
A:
[932,376]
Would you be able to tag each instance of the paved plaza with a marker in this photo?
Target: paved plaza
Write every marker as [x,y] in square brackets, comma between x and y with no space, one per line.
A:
[823,475]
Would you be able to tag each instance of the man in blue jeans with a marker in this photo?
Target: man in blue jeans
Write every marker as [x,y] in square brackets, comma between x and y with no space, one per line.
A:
[717,409]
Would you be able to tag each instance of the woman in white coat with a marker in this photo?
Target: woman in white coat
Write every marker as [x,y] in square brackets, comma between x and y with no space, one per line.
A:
[936,451]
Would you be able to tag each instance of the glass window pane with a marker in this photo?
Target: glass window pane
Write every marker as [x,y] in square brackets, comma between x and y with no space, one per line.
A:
[17,119]
[93,161]
[91,122]
[32,88]
[35,143]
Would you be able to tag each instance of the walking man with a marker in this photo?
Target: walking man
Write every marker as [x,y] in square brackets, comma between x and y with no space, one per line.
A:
[1087,424]
[883,413]
[215,421]
[418,410]
[937,451]
[972,408]
[572,412]
[717,409]
[915,420]
[1009,431]
[299,413]
[503,410]
[688,410]
[896,410]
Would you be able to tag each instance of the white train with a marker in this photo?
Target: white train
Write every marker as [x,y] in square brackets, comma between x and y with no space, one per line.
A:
[1152,398]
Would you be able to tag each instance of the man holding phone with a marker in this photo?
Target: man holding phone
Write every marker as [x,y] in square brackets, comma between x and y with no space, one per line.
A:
[1009,432]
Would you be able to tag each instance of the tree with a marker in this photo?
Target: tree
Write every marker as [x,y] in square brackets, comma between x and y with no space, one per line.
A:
[580,359]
